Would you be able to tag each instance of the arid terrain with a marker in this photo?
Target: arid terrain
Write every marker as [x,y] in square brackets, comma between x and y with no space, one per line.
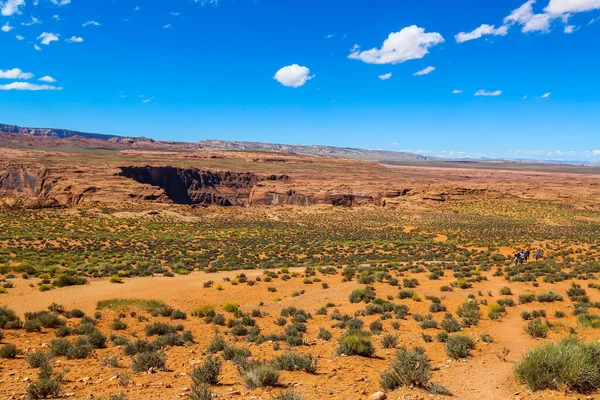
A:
[134,273]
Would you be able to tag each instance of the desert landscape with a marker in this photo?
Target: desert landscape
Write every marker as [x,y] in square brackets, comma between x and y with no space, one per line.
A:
[132,271]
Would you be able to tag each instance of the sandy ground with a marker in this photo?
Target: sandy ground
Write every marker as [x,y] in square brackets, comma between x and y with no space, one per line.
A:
[483,376]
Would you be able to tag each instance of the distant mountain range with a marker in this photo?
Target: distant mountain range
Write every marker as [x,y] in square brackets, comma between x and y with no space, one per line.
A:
[216,145]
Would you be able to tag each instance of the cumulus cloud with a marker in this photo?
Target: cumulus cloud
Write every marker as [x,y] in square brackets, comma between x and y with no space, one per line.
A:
[10,7]
[33,21]
[571,6]
[570,29]
[47,79]
[28,86]
[48,38]
[483,30]
[531,22]
[90,23]
[293,76]
[7,28]
[385,77]
[15,73]
[410,43]
[75,39]
[425,71]
[37,48]
[482,92]
[19,37]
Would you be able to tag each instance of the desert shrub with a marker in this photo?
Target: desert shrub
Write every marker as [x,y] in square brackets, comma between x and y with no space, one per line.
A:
[38,358]
[137,347]
[110,361]
[9,351]
[289,394]
[208,372]
[32,326]
[537,329]
[60,347]
[367,295]
[216,344]
[148,360]
[506,302]
[296,362]
[549,297]
[469,312]
[178,314]
[428,324]
[1,336]
[236,354]
[200,392]
[376,327]
[324,334]
[389,341]
[204,311]
[405,294]
[437,307]
[231,307]
[589,321]
[459,346]
[47,319]
[356,343]
[97,339]
[159,328]
[526,298]
[75,313]
[118,325]
[450,325]
[409,368]
[170,339]
[570,364]
[46,386]
[258,374]
[506,291]
[80,350]
[442,337]
[559,314]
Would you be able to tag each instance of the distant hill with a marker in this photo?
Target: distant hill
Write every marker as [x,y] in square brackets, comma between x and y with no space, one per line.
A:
[216,145]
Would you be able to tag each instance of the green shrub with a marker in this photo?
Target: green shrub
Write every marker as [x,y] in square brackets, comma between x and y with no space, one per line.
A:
[459,346]
[469,312]
[118,325]
[159,328]
[46,386]
[589,321]
[216,344]
[258,374]
[204,311]
[9,351]
[537,329]
[38,358]
[389,341]
[148,360]
[526,298]
[549,297]
[208,372]
[324,334]
[231,307]
[80,350]
[296,362]
[201,392]
[289,394]
[409,368]
[570,364]
[356,343]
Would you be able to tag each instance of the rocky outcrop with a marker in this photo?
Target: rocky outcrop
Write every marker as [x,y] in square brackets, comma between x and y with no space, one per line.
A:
[195,187]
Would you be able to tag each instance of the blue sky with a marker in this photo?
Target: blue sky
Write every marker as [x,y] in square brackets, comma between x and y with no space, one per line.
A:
[462,78]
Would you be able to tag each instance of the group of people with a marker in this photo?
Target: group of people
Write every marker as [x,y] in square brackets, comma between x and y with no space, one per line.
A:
[522,256]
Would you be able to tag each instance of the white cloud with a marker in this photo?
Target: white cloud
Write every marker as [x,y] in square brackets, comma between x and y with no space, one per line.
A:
[570,29]
[545,95]
[425,71]
[75,39]
[457,91]
[385,77]
[208,2]
[19,37]
[410,43]
[47,79]
[28,86]
[48,38]
[330,36]
[7,28]
[33,21]
[15,73]
[483,30]
[293,75]
[37,48]
[10,7]
[60,2]
[531,22]
[90,23]
[571,6]
[167,26]
[482,92]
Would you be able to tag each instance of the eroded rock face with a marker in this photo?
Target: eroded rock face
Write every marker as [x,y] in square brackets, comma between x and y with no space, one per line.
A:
[193,186]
